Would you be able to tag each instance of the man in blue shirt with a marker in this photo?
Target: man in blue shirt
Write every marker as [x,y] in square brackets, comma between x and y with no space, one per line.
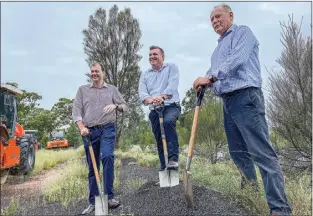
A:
[235,76]
[157,85]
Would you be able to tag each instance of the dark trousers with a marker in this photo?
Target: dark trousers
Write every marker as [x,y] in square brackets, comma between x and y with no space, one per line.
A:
[171,114]
[248,141]
[103,143]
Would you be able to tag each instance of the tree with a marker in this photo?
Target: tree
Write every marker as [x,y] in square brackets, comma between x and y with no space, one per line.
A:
[290,99]
[210,135]
[190,100]
[63,111]
[73,135]
[114,43]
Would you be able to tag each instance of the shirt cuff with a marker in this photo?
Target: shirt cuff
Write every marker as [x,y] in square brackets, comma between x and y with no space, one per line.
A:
[221,75]
[143,100]
[76,119]
[122,108]
[169,92]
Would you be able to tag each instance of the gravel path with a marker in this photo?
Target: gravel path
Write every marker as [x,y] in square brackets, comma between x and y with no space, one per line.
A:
[141,196]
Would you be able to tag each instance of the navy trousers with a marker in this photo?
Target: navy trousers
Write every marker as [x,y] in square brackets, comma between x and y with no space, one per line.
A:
[248,141]
[103,143]
[171,114]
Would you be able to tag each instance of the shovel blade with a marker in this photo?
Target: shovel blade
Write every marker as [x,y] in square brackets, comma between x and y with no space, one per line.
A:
[169,178]
[101,205]
[188,189]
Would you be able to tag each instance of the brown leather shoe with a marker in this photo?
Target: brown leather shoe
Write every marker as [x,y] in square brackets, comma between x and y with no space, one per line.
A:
[113,203]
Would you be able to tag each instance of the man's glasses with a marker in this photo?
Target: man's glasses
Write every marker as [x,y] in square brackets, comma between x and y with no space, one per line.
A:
[96,71]
[155,54]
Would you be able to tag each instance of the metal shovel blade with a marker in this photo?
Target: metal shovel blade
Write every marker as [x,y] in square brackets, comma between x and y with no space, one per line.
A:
[101,205]
[169,178]
[188,189]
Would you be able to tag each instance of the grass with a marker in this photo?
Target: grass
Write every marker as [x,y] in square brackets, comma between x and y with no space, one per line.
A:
[144,158]
[135,184]
[225,178]
[73,185]
[11,209]
[47,159]
[299,192]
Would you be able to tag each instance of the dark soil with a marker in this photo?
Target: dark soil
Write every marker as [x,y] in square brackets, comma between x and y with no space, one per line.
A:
[139,194]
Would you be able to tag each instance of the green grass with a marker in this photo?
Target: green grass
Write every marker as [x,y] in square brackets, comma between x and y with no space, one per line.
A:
[11,209]
[47,159]
[73,185]
[135,184]
[144,158]
[299,192]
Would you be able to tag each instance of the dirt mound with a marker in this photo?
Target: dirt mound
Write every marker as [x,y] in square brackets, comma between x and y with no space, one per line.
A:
[150,199]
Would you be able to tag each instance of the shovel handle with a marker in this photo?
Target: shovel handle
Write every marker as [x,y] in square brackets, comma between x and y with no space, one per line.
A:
[93,159]
[163,134]
[95,168]
[164,140]
[193,131]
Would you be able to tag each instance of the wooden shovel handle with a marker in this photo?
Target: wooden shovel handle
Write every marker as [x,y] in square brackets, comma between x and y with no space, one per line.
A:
[94,164]
[193,131]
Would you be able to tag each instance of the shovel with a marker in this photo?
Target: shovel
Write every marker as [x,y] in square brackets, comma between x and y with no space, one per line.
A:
[167,177]
[187,173]
[101,201]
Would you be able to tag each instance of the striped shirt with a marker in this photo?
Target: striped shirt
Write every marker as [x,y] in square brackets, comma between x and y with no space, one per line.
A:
[165,81]
[89,103]
[235,61]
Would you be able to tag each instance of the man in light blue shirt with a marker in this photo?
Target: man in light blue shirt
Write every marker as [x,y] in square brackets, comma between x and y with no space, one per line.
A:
[157,85]
[235,76]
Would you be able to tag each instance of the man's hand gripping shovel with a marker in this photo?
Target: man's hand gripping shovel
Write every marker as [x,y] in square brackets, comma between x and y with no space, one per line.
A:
[101,201]
[187,173]
[168,177]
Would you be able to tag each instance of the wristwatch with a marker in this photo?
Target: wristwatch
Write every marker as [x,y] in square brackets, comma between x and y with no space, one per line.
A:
[212,78]
[163,97]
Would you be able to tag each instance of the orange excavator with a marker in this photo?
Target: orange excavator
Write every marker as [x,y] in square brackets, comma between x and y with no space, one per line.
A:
[57,140]
[17,149]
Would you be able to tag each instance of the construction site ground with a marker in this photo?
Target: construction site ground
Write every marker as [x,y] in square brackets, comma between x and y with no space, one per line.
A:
[148,199]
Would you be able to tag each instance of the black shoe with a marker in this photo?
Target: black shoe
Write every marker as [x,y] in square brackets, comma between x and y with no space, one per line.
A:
[113,203]
[162,168]
[89,209]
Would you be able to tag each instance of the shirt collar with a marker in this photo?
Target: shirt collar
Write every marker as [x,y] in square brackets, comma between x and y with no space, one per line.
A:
[104,85]
[231,28]
[164,65]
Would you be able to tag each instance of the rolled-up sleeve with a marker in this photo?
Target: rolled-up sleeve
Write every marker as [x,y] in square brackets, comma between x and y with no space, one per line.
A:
[142,89]
[173,81]
[77,109]
[119,101]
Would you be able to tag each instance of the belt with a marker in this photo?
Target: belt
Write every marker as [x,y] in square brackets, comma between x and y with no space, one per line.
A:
[236,92]
[99,126]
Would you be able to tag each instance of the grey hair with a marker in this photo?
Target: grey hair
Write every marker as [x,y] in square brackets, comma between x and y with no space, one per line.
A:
[226,7]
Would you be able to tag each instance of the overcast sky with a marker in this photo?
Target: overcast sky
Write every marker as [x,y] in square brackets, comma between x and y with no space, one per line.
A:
[42,51]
